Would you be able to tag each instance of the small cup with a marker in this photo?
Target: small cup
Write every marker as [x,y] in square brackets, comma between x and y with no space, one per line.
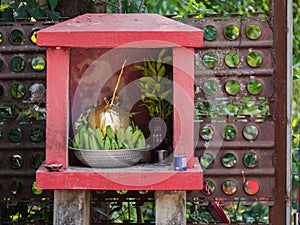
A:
[53,167]
[161,156]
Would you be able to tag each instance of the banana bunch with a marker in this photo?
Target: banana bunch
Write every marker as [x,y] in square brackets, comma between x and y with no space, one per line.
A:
[88,138]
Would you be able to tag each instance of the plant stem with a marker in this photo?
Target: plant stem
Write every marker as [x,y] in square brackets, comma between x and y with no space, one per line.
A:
[141,6]
[237,209]
[117,85]
[119,6]
[161,112]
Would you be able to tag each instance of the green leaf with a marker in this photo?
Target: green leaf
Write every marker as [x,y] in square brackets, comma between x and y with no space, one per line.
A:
[140,67]
[149,83]
[21,10]
[161,72]
[165,94]
[151,96]
[157,87]
[162,52]
[158,64]
[167,59]
[296,76]
[3,7]
[152,69]
[53,4]
[37,13]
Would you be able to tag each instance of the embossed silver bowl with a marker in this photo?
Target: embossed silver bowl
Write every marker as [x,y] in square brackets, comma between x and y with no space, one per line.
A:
[110,158]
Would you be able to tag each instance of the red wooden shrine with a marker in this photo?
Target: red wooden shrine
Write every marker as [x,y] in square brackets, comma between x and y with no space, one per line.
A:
[75,44]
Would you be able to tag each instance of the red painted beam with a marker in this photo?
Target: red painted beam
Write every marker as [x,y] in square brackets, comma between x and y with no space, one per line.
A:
[183,97]
[57,105]
[113,30]
[140,177]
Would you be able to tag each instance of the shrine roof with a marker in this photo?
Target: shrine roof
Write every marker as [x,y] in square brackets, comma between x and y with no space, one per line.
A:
[114,30]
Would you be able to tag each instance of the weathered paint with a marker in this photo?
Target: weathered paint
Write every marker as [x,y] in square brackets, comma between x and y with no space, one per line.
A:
[112,30]
[71,207]
[278,212]
[139,30]
[183,97]
[129,178]
[170,207]
[57,105]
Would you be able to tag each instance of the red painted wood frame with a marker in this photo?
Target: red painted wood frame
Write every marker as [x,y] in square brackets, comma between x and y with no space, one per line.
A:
[114,30]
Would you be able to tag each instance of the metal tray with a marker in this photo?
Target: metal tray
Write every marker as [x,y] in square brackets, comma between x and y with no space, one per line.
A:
[110,158]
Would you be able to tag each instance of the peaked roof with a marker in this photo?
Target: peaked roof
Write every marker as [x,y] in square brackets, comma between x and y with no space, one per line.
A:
[114,30]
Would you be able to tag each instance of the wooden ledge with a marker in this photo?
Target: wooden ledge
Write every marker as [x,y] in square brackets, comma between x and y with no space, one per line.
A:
[138,177]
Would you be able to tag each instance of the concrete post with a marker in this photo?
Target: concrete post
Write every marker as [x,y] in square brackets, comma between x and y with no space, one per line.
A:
[170,207]
[72,207]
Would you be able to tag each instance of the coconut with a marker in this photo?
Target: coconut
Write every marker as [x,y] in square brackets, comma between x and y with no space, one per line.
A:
[106,115]
[109,114]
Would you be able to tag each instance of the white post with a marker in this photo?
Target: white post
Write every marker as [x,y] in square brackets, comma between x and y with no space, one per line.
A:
[72,207]
[170,207]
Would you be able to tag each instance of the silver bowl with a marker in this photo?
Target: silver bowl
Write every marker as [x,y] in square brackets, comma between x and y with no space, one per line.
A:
[110,158]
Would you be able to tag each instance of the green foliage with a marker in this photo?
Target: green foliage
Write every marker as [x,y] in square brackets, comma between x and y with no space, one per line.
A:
[226,8]
[126,211]
[26,210]
[32,112]
[156,85]
[236,211]
[296,30]
[257,213]
[127,6]
[28,9]
[182,8]
[247,106]
[295,178]
[162,7]
[167,7]
[52,4]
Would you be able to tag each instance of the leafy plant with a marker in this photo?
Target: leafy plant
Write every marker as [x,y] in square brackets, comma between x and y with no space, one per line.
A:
[31,112]
[246,106]
[29,9]
[156,86]
[26,211]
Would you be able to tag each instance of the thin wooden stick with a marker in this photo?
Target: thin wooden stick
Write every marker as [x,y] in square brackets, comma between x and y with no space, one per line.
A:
[141,6]
[117,85]
[119,6]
